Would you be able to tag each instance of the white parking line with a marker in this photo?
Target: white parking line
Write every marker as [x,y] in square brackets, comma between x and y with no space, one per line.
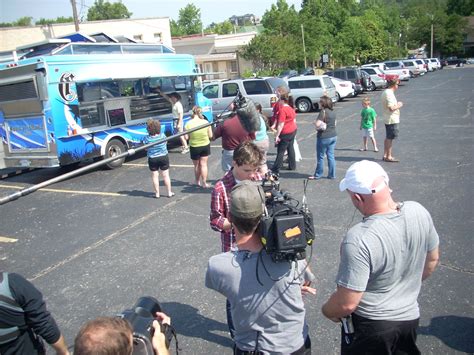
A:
[79,192]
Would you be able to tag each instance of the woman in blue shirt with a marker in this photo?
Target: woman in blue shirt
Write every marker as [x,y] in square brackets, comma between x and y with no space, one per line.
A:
[158,161]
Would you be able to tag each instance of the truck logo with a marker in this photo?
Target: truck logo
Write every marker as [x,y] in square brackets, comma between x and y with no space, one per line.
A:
[64,87]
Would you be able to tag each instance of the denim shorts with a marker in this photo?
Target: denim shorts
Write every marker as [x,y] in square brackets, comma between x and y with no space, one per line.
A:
[391,131]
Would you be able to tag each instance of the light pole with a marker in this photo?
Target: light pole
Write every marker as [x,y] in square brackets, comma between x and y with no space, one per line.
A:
[304,47]
[74,15]
[431,46]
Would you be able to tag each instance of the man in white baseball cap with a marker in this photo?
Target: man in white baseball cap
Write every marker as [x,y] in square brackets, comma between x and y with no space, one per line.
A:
[384,259]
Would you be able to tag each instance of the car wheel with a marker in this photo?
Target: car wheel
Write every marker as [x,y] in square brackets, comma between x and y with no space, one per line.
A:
[303,105]
[372,87]
[338,97]
[114,148]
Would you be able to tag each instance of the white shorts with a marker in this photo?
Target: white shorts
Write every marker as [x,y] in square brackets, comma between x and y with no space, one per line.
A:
[368,132]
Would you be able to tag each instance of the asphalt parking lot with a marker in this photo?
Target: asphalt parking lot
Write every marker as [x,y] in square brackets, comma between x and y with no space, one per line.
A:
[95,243]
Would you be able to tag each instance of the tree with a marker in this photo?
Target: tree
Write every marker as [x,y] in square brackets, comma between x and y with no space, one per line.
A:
[189,21]
[221,28]
[61,19]
[23,21]
[104,10]
[461,7]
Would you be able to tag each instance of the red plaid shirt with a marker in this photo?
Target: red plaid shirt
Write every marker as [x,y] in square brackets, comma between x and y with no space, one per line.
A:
[220,209]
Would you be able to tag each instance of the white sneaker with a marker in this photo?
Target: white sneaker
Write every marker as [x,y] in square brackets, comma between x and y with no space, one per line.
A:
[184,150]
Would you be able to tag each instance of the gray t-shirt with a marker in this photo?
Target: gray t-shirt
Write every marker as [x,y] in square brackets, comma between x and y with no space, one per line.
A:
[384,256]
[271,317]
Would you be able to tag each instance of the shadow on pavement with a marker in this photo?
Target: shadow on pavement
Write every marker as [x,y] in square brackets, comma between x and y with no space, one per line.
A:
[456,332]
[189,322]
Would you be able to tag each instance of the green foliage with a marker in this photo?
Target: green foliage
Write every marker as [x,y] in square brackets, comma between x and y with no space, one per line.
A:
[221,28]
[461,7]
[189,21]
[23,21]
[104,10]
[61,19]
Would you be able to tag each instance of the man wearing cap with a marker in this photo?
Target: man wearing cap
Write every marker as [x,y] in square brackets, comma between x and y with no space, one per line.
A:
[384,259]
[266,296]
[391,115]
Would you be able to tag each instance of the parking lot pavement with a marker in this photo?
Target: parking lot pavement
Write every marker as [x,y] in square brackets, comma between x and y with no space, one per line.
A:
[95,254]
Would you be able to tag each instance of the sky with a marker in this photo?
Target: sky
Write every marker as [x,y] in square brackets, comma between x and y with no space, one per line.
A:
[211,10]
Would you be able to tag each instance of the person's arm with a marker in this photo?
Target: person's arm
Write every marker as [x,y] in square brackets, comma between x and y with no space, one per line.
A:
[361,119]
[158,341]
[37,316]
[218,219]
[278,131]
[341,303]
[60,346]
[209,132]
[166,97]
[431,262]
[375,121]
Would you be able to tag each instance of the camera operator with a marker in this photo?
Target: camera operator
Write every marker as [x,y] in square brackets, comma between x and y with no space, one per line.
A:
[265,296]
[24,319]
[114,335]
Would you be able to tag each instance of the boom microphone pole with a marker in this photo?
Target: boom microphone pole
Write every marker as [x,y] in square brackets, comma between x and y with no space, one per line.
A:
[245,117]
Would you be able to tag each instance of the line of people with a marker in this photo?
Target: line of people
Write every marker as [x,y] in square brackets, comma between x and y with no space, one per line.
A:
[383,261]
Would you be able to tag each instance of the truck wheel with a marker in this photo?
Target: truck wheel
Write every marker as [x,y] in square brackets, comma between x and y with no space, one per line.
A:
[114,147]
[303,105]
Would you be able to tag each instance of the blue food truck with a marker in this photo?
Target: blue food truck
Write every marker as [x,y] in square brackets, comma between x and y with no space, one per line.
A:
[63,101]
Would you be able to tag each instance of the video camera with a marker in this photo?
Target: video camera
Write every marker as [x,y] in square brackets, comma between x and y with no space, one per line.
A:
[286,229]
[141,318]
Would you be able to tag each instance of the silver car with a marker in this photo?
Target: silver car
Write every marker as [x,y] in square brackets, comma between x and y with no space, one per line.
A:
[224,92]
[377,76]
[308,89]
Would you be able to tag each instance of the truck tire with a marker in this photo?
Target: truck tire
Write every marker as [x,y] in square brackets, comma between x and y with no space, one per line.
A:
[113,148]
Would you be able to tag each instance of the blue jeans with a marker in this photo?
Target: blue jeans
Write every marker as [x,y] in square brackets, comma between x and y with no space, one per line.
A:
[325,146]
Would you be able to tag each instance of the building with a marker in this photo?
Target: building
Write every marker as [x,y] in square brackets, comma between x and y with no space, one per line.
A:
[217,55]
[149,30]
[244,20]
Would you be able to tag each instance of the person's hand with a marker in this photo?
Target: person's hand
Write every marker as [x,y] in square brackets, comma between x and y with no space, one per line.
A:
[306,289]
[400,104]
[277,140]
[158,340]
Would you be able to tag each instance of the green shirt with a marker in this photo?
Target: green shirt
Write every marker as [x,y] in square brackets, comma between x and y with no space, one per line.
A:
[198,138]
[368,117]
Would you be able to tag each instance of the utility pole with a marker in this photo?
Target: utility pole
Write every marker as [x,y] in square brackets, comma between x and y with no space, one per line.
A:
[431,39]
[74,15]
[304,47]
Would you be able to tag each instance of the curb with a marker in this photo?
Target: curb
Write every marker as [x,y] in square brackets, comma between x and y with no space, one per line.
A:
[6,173]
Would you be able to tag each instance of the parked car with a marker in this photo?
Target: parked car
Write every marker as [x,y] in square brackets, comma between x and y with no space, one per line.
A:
[397,67]
[367,82]
[422,66]
[377,76]
[468,60]
[429,65]
[276,82]
[413,68]
[288,74]
[308,89]
[223,93]
[436,62]
[350,74]
[453,61]
[394,64]
[343,88]
[380,66]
